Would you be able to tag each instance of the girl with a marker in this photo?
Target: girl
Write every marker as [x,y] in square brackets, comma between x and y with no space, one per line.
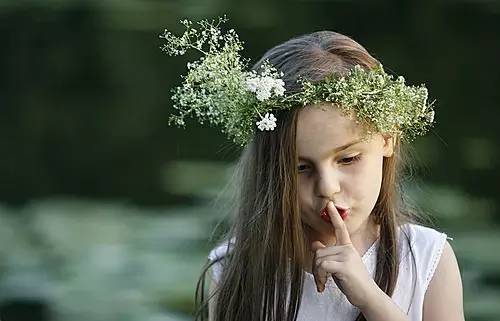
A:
[320,228]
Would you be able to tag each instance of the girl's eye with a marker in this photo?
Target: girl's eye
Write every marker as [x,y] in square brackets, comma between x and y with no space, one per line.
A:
[343,161]
[350,160]
[301,168]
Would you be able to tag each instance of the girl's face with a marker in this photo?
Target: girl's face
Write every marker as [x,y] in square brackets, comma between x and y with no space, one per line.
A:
[335,165]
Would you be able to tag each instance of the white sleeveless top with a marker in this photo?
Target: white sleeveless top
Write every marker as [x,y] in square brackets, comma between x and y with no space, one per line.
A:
[332,305]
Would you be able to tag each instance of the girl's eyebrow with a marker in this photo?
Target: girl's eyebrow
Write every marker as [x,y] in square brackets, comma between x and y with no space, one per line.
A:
[336,149]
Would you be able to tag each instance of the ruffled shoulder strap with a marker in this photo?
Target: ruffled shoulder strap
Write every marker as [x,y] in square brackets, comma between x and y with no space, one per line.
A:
[427,245]
[219,252]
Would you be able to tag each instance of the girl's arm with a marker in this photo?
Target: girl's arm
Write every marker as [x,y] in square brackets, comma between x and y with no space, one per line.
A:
[443,299]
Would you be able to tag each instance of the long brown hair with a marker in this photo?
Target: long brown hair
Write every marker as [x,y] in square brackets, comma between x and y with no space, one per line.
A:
[270,246]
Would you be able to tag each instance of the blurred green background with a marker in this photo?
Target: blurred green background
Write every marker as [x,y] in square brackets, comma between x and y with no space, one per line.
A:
[106,212]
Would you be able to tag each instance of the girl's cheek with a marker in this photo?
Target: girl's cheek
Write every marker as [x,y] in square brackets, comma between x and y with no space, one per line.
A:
[355,179]
[305,195]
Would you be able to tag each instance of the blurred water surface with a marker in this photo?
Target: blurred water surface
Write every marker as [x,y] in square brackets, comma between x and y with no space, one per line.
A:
[89,260]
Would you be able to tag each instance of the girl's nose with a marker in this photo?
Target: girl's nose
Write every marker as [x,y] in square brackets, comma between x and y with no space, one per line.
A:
[328,184]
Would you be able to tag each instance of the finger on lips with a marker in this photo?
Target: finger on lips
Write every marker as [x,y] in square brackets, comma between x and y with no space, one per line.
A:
[341,232]
[342,238]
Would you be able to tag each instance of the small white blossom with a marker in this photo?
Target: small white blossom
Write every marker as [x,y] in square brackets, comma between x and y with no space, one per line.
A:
[263,93]
[424,93]
[430,116]
[264,86]
[268,122]
[279,87]
[252,84]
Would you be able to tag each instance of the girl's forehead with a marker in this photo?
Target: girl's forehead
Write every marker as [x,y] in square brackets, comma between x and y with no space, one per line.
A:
[326,124]
[323,131]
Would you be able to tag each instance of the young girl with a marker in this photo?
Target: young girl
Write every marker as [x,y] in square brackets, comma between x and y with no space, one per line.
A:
[319,228]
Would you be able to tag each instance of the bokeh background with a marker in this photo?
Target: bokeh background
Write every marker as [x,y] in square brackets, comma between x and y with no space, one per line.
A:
[106,212]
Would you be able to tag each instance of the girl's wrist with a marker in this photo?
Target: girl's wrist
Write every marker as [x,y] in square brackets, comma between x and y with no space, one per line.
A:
[374,295]
[380,306]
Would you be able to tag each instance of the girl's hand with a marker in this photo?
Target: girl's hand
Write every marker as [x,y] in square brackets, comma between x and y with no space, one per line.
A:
[343,262]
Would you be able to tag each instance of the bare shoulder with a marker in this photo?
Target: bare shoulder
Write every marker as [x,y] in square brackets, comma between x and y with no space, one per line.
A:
[444,297]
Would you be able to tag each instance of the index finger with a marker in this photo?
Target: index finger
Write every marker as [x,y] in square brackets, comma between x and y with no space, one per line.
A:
[341,233]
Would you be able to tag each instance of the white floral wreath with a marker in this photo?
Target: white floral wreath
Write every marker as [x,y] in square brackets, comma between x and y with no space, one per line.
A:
[219,89]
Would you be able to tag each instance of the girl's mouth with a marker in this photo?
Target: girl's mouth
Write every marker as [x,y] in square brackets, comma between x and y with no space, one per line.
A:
[344,212]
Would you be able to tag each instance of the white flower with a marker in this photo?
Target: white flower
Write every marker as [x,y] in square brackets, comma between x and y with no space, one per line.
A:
[252,84]
[268,122]
[430,116]
[263,94]
[424,94]
[264,86]
[279,87]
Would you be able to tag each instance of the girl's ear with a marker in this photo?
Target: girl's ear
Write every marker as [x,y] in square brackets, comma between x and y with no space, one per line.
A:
[388,148]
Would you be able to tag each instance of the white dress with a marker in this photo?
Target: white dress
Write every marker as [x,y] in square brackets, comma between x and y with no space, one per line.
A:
[332,305]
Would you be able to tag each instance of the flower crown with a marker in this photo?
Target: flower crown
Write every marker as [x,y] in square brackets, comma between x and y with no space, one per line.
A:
[219,89]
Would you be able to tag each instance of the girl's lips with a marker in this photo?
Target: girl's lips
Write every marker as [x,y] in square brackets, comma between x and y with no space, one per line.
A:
[344,212]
